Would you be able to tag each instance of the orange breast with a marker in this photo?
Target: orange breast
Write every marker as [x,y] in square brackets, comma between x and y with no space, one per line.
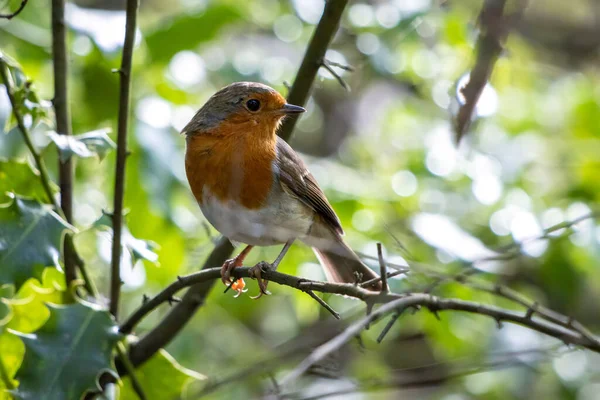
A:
[233,165]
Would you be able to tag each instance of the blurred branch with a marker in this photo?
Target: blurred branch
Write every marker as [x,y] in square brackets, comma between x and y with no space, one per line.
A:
[13,14]
[124,103]
[494,25]
[135,382]
[425,376]
[313,59]
[179,315]
[329,67]
[63,127]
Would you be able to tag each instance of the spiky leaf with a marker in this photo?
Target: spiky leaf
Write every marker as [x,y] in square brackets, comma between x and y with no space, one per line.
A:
[138,248]
[30,239]
[19,177]
[95,143]
[64,358]
[162,378]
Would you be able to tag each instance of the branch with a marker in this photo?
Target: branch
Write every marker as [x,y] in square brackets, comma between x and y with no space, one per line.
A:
[494,30]
[124,102]
[179,315]
[422,376]
[435,304]
[313,59]
[392,303]
[13,14]
[63,127]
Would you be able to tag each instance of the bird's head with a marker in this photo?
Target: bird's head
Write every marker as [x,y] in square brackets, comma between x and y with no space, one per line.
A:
[241,107]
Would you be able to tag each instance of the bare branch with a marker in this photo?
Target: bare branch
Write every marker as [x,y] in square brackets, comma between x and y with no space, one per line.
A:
[124,102]
[13,14]
[391,302]
[315,54]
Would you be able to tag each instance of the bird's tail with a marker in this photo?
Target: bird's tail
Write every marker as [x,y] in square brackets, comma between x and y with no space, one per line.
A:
[342,265]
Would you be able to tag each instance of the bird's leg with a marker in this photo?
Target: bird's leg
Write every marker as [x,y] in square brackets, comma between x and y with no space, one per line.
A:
[256,271]
[230,265]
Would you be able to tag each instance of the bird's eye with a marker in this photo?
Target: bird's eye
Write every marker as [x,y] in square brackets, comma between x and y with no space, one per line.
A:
[253,104]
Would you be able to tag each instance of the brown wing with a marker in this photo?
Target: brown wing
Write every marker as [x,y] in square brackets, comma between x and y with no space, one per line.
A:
[294,175]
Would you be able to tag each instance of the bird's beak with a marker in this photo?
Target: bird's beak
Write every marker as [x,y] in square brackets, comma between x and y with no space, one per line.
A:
[291,109]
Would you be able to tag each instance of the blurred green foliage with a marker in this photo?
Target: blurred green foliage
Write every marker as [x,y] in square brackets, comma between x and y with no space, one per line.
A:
[385,156]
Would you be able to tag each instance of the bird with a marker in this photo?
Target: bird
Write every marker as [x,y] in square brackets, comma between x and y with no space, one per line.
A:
[255,189]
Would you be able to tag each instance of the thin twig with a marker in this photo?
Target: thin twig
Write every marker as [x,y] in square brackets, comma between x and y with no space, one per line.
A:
[124,103]
[323,303]
[179,315]
[337,76]
[389,325]
[383,270]
[389,275]
[13,14]
[348,68]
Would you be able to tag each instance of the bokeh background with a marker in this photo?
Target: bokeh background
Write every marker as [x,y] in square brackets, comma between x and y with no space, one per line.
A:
[386,156]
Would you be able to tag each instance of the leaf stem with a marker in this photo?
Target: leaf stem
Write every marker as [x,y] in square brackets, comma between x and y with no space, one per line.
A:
[119,194]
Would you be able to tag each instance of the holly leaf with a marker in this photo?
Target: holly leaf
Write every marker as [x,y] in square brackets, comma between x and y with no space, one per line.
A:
[29,309]
[65,357]
[20,178]
[95,143]
[138,248]
[12,351]
[162,378]
[30,239]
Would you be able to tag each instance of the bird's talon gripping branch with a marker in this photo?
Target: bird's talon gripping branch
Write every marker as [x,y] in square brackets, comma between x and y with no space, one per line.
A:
[256,273]
[228,266]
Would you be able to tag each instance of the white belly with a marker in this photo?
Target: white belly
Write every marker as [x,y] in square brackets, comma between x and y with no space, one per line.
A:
[284,219]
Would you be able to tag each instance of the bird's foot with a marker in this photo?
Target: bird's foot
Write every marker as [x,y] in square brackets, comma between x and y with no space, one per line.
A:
[237,285]
[256,273]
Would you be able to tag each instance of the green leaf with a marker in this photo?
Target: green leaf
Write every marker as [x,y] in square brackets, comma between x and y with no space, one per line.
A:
[138,248]
[12,351]
[65,357]
[30,239]
[95,143]
[187,31]
[20,178]
[162,378]
[29,306]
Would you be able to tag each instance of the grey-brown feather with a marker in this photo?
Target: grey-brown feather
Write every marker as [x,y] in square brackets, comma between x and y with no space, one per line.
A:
[222,104]
[295,177]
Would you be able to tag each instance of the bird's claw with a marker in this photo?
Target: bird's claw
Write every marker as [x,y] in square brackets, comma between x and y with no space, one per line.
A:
[256,273]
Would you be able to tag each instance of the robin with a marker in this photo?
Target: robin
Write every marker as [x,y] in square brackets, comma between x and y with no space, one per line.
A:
[255,189]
